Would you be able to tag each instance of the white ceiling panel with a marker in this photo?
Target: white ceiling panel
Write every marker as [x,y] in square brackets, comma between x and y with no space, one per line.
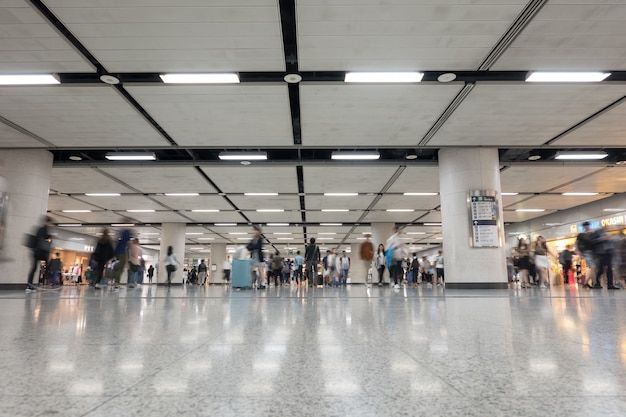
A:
[506,115]
[336,217]
[608,180]
[254,179]
[11,138]
[370,115]
[555,202]
[571,35]
[512,216]
[399,35]
[319,202]
[608,129]
[84,180]
[61,202]
[157,217]
[201,202]
[285,202]
[210,218]
[284,217]
[28,44]
[126,202]
[93,217]
[178,36]
[382,216]
[529,179]
[417,179]
[344,179]
[155,179]
[232,115]
[77,116]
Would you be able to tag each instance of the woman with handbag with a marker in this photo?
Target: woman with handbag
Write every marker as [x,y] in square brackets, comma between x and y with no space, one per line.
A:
[170,264]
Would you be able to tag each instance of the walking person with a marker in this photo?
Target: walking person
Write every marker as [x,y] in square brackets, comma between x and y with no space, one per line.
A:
[202,273]
[135,257]
[565,259]
[39,244]
[584,246]
[398,253]
[523,253]
[101,255]
[540,248]
[55,267]
[312,259]
[150,274]
[366,253]
[171,264]
[298,262]
[226,267]
[121,253]
[380,262]
[255,247]
[439,269]
[277,268]
[603,252]
[345,268]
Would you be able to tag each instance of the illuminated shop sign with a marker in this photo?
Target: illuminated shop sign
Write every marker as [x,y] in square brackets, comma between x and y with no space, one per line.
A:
[596,224]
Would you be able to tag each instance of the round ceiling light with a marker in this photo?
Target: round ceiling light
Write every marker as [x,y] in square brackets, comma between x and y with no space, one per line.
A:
[534,157]
[109,79]
[446,77]
[411,156]
[245,162]
[293,78]
[75,158]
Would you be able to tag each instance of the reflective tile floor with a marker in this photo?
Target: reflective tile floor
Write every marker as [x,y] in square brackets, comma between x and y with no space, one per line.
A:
[313,352]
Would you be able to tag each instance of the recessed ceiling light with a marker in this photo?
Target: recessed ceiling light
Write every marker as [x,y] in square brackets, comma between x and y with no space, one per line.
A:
[284,238]
[553,224]
[122,224]
[510,193]
[182,194]
[69,224]
[283,233]
[331,224]
[530,210]
[325,238]
[581,155]
[208,78]
[270,210]
[566,77]
[75,158]
[613,209]
[109,79]
[194,233]
[400,210]
[76,211]
[534,157]
[103,194]
[205,211]
[384,77]
[340,194]
[355,155]
[432,224]
[335,210]
[411,156]
[141,211]
[225,224]
[446,77]
[28,79]
[580,194]
[277,224]
[130,156]
[327,233]
[237,233]
[239,156]
[293,78]
[206,238]
[415,233]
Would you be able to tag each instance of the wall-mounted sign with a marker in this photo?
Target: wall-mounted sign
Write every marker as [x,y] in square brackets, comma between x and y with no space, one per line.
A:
[484,218]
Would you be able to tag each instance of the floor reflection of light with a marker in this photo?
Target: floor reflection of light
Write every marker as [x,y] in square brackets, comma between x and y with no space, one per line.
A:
[439,348]
[166,386]
[274,348]
[198,365]
[426,386]
[542,365]
[255,388]
[61,367]
[330,350]
[84,387]
[622,351]
[221,349]
[341,385]
[130,367]
[604,385]
[403,366]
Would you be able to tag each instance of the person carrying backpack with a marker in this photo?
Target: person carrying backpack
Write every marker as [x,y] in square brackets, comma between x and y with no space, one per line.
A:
[584,245]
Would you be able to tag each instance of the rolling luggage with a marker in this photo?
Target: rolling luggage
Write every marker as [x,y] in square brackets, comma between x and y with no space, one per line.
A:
[241,273]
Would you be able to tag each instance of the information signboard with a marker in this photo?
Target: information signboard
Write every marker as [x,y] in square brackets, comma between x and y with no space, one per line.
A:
[484,217]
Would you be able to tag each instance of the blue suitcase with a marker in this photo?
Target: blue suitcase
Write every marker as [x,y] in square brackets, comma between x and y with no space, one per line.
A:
[241,273]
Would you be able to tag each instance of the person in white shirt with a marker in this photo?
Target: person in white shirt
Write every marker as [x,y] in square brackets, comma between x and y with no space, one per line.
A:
[226,267]
[439,269]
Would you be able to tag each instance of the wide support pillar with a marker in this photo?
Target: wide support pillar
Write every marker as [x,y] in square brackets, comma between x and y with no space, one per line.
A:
[26,183]
[462,170]
[218,255]
[172,234]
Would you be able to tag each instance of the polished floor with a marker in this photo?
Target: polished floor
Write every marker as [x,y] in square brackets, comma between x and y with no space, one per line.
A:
[313,352]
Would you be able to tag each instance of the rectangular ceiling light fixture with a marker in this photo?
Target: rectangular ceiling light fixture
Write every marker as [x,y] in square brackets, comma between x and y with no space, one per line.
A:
[400,210]
[432,224]
[580,194]
[278,224]
[205,211]
[130,156]
[355,156]
[208,78]
[510,193]
[225,224]
[141,211]
[566,77]
[613,210]
[335,210]
[270,210]
[384,77]
[28,79]
[76,211]
[530,210]
[260,194]
[331,224]
[243,156]
[182,194]
[103,194]
[422,194]
[69,224]
[341,194]
[581,155]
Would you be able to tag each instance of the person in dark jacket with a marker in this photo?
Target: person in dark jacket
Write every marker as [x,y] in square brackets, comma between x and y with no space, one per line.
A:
[311,258]
[40,248]
[99,258]
[256,252]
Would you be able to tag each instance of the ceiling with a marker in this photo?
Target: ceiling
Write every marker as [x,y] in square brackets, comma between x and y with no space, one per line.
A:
[490,46]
